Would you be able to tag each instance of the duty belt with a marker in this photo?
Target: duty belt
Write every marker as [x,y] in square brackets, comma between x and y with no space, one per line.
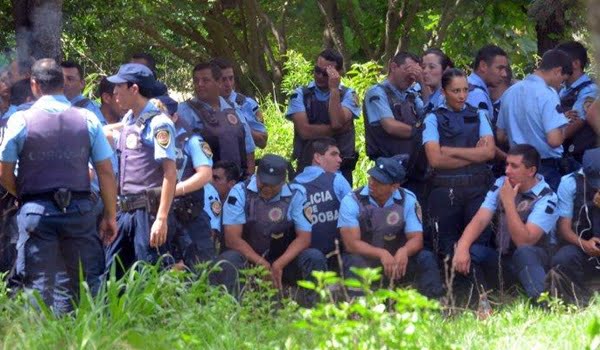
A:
[50,196]
[462,180]
[132,202]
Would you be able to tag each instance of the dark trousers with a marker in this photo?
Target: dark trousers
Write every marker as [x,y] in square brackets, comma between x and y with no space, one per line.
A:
[573,262]
[52,247]
[529,264]
[301,268]
[193,240]
[423,266]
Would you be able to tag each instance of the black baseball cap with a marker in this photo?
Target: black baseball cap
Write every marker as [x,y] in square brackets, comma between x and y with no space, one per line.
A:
[272,169]
[388,171]
[134,73]
[591,166]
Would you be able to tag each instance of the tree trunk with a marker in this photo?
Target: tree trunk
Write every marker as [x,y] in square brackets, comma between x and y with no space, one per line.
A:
[549,16]
[38,27]
[333,21]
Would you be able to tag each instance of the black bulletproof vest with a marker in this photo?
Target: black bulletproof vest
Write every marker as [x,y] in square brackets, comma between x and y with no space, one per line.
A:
[524,203]
[585,138]
[459,129]
[585,222]
[267,229]
[183,160]
[381,144]
[325,210]
[317,113]
[381,227]
[224,132]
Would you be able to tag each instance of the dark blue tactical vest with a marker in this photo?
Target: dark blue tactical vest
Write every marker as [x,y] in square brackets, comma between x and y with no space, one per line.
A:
[224,132]
[585,138]
[318,114]
[524,203]
[459,129]
[267,229]
[138,170]
[325,210]
[381,144]
[55,153]
[183,160]
[381,227]
[585,222]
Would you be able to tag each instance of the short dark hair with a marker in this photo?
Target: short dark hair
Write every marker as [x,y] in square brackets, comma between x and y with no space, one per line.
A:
[215,70]
[20,91]
[105,87]
[487,55]
[401,57]
[321,145]
[48,75]
[146,57]
[333,56]
[145,91]
[531,157]
[222,62]
[445,61]
[231,169]
[576,50]
[450,74]
[556,58]
[72,64]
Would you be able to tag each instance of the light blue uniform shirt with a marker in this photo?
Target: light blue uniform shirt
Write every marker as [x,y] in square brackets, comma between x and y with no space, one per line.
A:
[185,111]
[543,214]
[92,107]
[235,214]
[212,206]
[566,195]
[431,132]
[529,110]
[588,91]
[297,101]
[341,187]
[16,131]
[377,104]
[157,123]
[479,96]
[250,108]
[436,99]
[12,109]
[350,211]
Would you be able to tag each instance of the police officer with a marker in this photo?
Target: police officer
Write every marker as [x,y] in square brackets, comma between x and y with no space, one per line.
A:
[147,171]
[213,207]
[325,108]
[434,63]
[226,174]
[531,113]
[58,237]
[325,189]
[381,225]
[267,222]
[110,109]
[579,221]
[224,127]
[248,105]
[74,84]
[458,141]
[526,209]
[579,86]
[393,115]
[489,69]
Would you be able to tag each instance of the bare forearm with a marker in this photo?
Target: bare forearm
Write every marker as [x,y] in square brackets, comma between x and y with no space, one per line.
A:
[566,231]
[414,244]
[260,138]
[7,177]
[250,163]
[299,244]
[108,192]
[337,115]
[363,248]
[195,182]
[518,231]
[167,193]
[240,245]
[472,155]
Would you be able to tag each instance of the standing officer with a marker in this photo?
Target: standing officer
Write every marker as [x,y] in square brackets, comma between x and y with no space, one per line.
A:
[110,109]
[579,221]
[458,141]
[267,222]
[248,105]
[325,108]
[381,225]
[526,208]
[489,69]
[325,189]
[58,237]
[579,86]
[74,84]
[393,115]
[224,127]
[531,113]
[147,171]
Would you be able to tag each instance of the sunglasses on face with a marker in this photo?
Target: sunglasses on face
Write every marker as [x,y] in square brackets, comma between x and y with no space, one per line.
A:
[321,71]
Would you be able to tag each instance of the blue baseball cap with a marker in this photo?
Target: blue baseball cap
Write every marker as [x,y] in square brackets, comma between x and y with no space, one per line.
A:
[591,166]
[388,171]
[169,103]
[134,73]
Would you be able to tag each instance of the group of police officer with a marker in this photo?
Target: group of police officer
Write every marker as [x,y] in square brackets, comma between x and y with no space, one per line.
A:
[143,178]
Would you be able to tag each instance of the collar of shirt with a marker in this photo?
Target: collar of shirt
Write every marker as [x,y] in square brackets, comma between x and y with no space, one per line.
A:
[535,79]
[232,96]
[77,99]
[10,111]
[538,187]
[445,106]
[285,190]
[475,79]
[582,79]
[397,92]
[222,102]
[309,173]
[149,107]
[52,103]
[395,196]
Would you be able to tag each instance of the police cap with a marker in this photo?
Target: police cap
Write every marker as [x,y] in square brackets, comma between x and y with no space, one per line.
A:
[388,171]
[591,166]
[134,73]
[272,169]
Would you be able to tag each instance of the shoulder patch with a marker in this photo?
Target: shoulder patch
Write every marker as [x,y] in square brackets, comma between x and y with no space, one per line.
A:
[482,105]
[215,207]
[308,212]
[419,212]
[549,209]
[163,138]
[374,98]
[231,200]
[206,149]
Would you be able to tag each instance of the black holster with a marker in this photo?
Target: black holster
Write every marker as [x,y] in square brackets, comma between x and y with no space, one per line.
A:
[187,208]
[153,197]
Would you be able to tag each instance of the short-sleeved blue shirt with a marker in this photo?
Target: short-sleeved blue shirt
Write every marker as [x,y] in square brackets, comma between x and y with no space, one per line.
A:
[479,95]
[250,108]
[377,104]
[92,107]
[213,206]
[566,195]
[297,101]
[588,91]
[431,132]
[341,187]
